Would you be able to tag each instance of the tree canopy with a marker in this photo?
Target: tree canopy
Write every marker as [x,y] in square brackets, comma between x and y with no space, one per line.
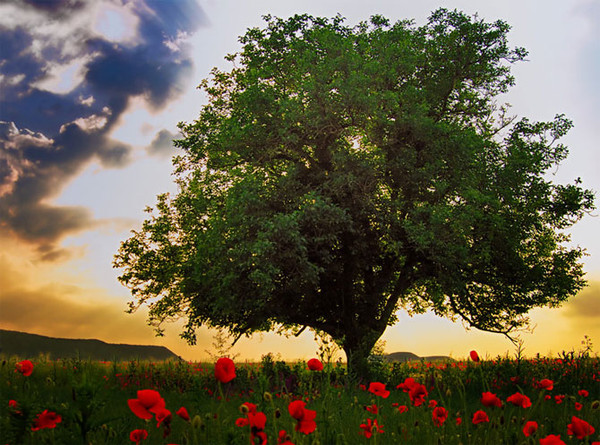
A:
[338,175]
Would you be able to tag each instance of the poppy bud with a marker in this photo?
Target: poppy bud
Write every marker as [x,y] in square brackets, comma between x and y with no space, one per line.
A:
[448,392]
[244,408]
[595,404]
[197,422]
[267,396]
[278,414]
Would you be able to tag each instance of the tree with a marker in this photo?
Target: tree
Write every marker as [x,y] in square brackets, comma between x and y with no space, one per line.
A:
[340,174]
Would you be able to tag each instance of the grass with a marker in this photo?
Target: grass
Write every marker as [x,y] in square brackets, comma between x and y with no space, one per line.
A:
[92,400]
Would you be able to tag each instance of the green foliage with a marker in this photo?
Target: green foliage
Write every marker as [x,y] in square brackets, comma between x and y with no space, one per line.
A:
[339,174]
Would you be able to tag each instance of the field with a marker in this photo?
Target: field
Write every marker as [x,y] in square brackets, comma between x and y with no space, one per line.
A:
[501,401]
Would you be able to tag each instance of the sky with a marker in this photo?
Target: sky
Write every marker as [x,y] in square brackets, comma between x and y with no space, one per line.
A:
[91,92]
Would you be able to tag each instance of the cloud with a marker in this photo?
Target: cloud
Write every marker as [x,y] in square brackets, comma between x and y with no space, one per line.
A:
[585,306]
[162,144]
[69,70]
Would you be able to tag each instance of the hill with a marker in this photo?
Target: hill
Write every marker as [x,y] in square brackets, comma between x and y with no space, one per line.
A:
[409,357]
[24,345]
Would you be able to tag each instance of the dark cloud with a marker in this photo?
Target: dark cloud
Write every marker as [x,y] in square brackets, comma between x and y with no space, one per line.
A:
[47,135]
[162,144]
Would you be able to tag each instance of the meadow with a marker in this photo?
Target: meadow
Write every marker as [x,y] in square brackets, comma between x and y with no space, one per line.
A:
[496,401]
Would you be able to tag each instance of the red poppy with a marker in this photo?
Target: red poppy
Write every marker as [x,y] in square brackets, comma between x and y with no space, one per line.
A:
[183,413]
[242,421]
[552,439]
[530,428]
[458,421]
[163,416]
[46,419]
[25,367]
[379,389]
[224,370]
[546,384]
[408,383]
[439,415]
[402,408]
[138,435]
[417,394]
[490,399]
[13,404]
[583,393]
[315,364]
[519,399]
[559,399]
[148,403]
[474,356]
[372,409]
[480,416]
[284,439]
[257,420]
[432,403]
[370,427]
[305,417]
[579,428]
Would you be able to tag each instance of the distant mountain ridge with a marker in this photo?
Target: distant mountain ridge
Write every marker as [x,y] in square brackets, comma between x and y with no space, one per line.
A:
[28,346]
[409,357]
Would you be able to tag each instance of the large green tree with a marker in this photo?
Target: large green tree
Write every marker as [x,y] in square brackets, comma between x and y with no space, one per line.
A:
[338,175]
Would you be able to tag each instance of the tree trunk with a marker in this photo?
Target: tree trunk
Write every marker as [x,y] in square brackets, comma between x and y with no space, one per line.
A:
[358,346]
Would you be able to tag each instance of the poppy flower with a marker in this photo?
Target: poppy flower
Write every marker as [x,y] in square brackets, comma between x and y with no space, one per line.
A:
[579,428]
[148,403]
[163,416]
[408,383]
[559,399]
[305,417]
[378,389]
[432,403]
[490,399]
[13,404]
[552,439]
[578,406]
[417,394]
[183,413]
[315,364]
[402,408]
[480,416]
[370,427]
[242,421]
[25,367]
[519,399]
[439,415]
[474,356]
[372,409]
[458,421]
[46,419]
[530,428]
[583,393]
[224,370]
[138,435]
[546,384]
[284,438]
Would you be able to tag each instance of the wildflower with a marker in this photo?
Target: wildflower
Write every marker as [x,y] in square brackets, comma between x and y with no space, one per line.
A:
[370,427]
[546,384]
[519,399]
[25,367]
[578,406]
[530,428]
[417,394]
[138,435]
[552,439]
[583,393]
[379,389]
[12,404]
[284,438]
[439,415]
[46,419]
[148,402]
[579,428]
[257,425]
[163,416]
[315,364]
[474,356]
[372,409]
[559,399]
[480,416]
[402,408]
[490,399]
[242,421]
[458,421]
[224,370]
[305,417]
[182,412]
[432,403]
[408,383]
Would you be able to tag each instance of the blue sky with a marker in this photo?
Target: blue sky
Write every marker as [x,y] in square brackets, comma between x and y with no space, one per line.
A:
[91,93]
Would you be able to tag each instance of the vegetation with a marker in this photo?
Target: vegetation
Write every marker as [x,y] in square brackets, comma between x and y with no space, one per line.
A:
[501,401]
[340,174]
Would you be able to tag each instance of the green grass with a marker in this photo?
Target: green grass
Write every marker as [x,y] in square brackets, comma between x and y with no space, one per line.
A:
[91,398]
